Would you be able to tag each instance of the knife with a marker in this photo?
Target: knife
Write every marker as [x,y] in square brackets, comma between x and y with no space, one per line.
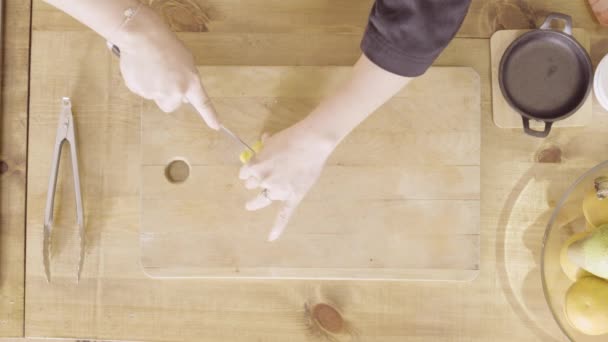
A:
[249,151]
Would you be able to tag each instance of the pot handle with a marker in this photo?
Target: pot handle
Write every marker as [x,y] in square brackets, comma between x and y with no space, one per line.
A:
[534,133]
[558,16]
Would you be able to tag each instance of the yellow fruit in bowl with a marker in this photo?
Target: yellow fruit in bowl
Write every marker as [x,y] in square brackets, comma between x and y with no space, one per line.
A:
[595,209]
[587,305]
[570,269]
[589,227]
[591,252]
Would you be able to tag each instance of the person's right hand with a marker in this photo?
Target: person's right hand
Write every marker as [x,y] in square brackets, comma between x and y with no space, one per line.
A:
[156,65]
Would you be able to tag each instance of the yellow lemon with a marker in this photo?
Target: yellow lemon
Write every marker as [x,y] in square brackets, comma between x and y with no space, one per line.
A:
[595,209]
[587,305]
[246,155]
[572,270]
[588,226]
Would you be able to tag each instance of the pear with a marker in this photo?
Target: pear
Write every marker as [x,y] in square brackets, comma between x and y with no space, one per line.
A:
[591,252]
[571,270]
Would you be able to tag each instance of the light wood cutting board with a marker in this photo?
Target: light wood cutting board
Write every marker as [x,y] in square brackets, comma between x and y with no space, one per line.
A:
[507,117]
[399,198]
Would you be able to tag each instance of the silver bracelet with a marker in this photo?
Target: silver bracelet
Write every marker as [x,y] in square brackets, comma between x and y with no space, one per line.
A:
[129,14]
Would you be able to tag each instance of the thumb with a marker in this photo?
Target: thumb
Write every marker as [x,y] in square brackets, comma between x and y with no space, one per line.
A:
[197,96]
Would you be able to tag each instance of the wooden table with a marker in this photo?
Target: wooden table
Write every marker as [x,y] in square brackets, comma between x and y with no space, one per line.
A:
[13,147]
[522,178]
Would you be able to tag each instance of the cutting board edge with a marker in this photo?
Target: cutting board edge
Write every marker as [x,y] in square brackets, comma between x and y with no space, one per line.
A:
[457,275]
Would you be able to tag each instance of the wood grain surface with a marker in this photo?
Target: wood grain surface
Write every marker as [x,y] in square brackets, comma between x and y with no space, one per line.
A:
[324,17]
[13,147]
[505,116]
[522,178]
[398,199]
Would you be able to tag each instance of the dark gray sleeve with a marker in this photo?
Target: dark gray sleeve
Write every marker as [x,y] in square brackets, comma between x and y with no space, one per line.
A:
[406,36]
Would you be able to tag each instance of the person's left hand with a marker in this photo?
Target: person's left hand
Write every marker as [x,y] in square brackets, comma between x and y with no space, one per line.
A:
[285,169]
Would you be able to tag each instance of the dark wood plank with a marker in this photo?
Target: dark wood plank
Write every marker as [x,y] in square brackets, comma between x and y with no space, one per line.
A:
[13,146]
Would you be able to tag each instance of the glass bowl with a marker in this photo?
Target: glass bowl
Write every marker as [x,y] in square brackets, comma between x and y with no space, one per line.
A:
[566,220]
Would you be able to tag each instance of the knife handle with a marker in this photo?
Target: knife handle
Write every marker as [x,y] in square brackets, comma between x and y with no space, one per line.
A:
[246,155]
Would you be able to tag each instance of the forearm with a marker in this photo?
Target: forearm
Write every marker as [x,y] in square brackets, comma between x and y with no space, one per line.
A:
[102,16]
[368,88]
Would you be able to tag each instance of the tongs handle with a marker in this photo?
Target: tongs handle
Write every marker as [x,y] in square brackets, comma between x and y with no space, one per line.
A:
[71,138]
[50,204]
[50,195]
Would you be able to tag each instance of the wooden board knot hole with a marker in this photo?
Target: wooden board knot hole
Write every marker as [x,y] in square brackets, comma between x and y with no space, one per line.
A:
[328,318]
[552,154]
[177,171]
[3,167]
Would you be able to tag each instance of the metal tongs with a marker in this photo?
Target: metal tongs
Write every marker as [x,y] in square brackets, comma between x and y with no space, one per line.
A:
[65,132]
